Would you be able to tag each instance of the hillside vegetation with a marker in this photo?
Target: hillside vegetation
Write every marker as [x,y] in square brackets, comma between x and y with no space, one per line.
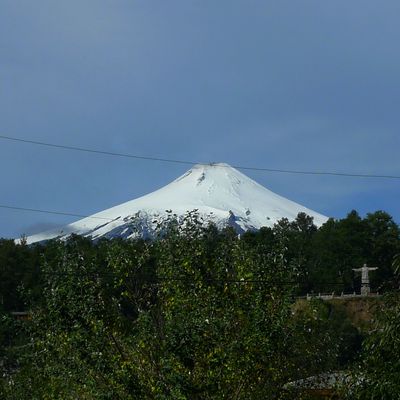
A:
[200,313]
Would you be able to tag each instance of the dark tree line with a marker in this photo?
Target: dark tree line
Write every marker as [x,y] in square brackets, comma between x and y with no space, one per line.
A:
[323,259]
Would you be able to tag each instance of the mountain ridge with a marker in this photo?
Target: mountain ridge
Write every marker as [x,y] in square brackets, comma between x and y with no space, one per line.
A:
[220,193]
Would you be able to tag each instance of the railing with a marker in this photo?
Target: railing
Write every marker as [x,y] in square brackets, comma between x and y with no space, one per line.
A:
[333,295]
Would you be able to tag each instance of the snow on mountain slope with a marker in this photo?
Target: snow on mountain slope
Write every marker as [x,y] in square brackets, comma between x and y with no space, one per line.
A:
[219,192]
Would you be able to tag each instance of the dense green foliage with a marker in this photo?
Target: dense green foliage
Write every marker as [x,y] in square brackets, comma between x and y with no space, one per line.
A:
[377,376]
[324,258]
[197,314]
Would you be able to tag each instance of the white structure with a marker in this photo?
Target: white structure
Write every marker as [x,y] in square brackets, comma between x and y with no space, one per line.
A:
[365,288]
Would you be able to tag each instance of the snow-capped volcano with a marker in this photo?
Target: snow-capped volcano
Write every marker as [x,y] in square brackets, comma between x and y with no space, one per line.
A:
[219,192]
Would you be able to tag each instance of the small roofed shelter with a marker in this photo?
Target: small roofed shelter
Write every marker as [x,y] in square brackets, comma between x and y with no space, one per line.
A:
[21,315]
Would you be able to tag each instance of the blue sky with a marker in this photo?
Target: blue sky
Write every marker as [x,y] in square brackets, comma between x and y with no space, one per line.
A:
[305,85]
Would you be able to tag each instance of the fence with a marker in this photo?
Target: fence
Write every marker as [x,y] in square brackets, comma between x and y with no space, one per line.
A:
[333,295]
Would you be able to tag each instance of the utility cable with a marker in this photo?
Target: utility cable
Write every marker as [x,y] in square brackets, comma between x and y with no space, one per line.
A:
[170,160]
[52,212]
[159,279]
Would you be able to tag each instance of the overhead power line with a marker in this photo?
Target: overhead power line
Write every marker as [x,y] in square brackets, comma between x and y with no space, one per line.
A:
[170,160]
[160,279]
[52,212]
[86,150]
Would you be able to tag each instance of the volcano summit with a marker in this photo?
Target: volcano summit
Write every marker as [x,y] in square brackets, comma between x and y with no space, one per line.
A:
[220,194]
